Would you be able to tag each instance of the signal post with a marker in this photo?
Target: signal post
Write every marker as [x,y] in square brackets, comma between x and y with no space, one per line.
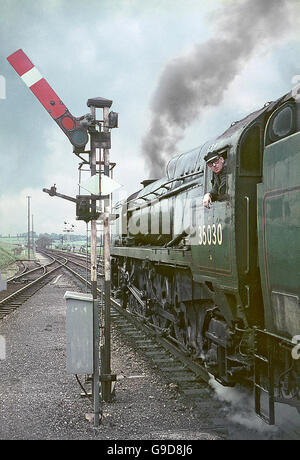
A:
[101,140]
[79,131]
[106,369]
[93,166]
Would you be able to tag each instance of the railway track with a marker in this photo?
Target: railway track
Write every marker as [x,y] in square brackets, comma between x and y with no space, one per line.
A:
[22,268]
[25,284]
[177,365]
[186,375]
[188,378]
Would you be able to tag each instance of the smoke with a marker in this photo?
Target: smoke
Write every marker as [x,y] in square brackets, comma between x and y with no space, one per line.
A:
[239,409]
[198,79]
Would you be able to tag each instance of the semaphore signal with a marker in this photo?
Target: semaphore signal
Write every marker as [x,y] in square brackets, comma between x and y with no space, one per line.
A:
[70,125]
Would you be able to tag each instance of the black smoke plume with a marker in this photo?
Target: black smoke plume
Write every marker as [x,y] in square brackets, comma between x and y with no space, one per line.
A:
[191,82]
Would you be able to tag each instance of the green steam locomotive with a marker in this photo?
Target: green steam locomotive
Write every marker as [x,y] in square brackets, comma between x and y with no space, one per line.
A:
[224,281]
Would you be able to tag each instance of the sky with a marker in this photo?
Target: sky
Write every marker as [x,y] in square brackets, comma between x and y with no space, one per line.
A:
[183,68]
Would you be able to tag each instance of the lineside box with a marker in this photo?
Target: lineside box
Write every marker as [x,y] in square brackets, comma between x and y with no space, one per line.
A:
[79,332]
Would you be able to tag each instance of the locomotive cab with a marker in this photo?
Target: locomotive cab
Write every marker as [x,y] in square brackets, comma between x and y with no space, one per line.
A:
[279,258]
[279,213]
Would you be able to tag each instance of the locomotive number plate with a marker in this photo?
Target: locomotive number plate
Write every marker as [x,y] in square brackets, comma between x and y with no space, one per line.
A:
[210,234]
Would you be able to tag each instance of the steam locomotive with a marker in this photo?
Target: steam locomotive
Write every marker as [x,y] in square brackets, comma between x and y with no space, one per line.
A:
[225,281]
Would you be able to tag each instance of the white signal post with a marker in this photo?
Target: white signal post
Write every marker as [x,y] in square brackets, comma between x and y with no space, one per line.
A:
[106,377]
[96,376]
[79,130]
[106,365]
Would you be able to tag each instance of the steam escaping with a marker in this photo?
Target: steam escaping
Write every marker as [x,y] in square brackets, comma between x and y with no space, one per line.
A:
[191,82]
[239,409]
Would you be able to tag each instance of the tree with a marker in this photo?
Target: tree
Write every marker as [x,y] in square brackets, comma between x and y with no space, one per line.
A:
[44,242]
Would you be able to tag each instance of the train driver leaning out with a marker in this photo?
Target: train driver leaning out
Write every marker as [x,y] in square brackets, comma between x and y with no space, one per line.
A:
[217,164]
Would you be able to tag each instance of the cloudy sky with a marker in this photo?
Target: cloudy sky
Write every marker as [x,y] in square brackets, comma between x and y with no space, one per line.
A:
[178,72]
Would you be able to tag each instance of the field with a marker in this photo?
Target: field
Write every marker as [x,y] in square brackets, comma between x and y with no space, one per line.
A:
[11,249]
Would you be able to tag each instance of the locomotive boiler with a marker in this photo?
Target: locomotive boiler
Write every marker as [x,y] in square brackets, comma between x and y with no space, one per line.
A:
[224,282]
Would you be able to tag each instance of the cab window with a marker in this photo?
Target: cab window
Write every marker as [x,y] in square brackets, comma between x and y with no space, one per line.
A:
[281,124]
[250,152]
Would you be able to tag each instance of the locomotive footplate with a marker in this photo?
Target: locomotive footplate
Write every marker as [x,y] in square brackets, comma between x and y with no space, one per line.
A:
[176,257]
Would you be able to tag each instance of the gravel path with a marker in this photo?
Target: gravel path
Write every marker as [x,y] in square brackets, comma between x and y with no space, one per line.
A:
[38,400]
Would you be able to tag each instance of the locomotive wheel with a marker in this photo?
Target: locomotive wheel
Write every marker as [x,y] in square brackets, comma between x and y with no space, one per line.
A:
[157,319]
[165,300]
[187,327]
[180,325]
[133,305]
[158,289]
[288,394]
[191,318]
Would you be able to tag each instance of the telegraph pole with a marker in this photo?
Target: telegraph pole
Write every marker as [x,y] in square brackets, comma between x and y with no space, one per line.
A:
[28,230]
[32,234]
[87,255]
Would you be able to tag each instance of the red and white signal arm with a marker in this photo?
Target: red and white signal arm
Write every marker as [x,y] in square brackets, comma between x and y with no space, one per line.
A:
[70,125]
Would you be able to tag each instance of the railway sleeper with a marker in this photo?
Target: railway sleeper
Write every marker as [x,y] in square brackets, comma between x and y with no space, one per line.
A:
[165,360]
[195,392]
[6,311]
[188,378]
[144,342]
[174,369]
